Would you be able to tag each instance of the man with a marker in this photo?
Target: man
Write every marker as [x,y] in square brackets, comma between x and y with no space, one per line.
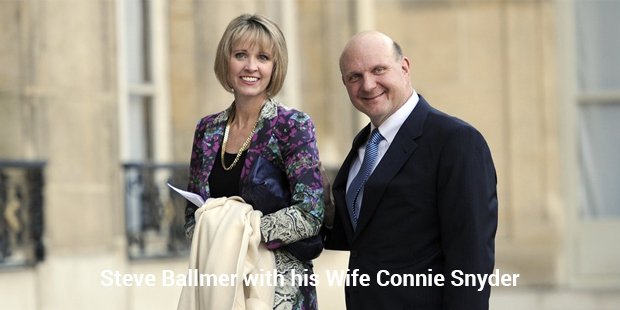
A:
[416,198]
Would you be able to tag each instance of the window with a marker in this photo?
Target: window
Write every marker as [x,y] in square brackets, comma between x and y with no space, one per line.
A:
[598,95]
[153,219]
[137,88]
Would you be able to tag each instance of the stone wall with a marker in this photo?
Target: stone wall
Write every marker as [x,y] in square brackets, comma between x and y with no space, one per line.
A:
[492,63]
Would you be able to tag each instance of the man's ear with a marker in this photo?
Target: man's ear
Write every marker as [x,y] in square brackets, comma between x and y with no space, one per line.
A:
[405,65]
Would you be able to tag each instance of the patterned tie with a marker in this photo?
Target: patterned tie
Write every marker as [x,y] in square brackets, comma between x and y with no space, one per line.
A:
[357,185]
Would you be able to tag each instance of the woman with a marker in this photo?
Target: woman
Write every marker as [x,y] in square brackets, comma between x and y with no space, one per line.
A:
[263,152]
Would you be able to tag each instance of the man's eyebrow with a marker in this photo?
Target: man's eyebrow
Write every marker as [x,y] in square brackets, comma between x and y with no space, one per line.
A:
[351,74]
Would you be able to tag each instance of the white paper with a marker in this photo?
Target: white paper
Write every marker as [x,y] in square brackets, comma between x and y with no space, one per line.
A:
[193,198]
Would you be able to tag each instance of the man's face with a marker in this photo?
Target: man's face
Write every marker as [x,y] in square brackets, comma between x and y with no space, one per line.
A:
[376,79]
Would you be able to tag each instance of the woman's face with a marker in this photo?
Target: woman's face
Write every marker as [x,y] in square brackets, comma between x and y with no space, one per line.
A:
[249,71]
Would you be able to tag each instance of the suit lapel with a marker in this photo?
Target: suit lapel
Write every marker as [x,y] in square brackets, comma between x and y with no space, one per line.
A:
[263,135]
[211,143]
[401,149]
[340,182]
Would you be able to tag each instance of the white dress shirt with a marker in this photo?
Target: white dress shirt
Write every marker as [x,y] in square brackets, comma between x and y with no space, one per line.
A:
[388,129]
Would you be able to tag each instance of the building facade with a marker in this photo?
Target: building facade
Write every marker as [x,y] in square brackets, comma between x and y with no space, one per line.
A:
[99,99]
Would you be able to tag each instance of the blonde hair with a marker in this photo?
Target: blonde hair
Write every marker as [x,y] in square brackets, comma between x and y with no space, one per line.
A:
[255,29]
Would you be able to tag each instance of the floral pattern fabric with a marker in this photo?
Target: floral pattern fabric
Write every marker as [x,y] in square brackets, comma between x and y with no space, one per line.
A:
[286,138]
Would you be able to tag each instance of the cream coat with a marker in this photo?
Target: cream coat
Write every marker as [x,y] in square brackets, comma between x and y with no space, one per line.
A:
[227,241]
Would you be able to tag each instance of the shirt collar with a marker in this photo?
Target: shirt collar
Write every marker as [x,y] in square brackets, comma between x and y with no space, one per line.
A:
[389,128]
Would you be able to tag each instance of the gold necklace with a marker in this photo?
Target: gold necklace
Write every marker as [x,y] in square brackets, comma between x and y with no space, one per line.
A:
[243,146]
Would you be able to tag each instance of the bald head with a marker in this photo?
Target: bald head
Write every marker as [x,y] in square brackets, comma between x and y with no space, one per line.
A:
[369,40]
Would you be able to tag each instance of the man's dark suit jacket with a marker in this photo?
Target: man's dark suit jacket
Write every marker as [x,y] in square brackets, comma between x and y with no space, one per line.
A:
[429,207]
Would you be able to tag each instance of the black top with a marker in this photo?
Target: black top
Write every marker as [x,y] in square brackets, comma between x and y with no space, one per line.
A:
[224,183]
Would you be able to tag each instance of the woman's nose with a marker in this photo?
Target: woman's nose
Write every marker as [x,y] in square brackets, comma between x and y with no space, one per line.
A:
[251,64]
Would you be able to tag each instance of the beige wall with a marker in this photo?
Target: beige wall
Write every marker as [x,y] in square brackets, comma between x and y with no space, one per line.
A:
[491,63]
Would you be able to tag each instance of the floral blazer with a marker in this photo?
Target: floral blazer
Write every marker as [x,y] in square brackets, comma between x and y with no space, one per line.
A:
[284,138]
